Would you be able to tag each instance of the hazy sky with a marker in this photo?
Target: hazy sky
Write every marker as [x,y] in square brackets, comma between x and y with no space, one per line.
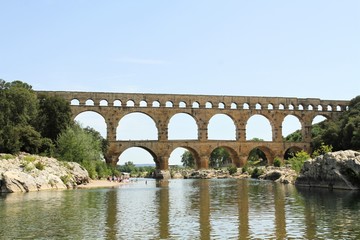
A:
[307,48]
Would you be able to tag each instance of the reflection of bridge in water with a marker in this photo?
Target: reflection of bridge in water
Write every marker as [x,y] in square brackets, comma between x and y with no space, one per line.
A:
[162,107]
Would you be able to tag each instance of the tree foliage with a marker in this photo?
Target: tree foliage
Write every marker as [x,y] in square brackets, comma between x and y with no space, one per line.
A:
[187,159]
[220,157]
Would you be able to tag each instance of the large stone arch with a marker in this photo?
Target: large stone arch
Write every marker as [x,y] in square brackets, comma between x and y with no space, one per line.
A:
[299,118]
[147,118]
[188,116]
[193,151]
[270,155]
[267,117]
[233,154]
[228,117]
[150,151]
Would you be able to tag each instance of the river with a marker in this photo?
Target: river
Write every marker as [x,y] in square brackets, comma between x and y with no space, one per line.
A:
[182,209]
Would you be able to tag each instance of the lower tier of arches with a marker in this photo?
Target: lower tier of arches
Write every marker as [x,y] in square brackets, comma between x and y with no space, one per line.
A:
[201,150]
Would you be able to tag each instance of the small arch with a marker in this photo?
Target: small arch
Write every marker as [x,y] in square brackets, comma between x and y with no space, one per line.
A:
[104,103]
[258,106]
[221,105]
[130,103]
[270,106]
[117,103]
[169,104]
[338,108]
[319,108]
[156,104]
[329,108]
[75,102]
[208,105]
[184,156]
[260,156]
[347,108]
[246,106]
[281,106]
[89,102]
[301,107]
[195,105]
[291,107]
[143,103]
[233,106]
[310,107]
[182,104]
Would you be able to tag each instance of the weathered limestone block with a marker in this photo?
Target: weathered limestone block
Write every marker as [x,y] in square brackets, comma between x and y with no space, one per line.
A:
[338,170]
[283,175]
[15,181]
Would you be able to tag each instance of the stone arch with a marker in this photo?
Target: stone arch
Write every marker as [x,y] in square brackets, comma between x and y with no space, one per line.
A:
[258,106]
[270,106]
[329,108]
[143,103]
[233,106]
[89,102]
[182,126]
[117,103]
[291,107]
[208,105]
[104,103]
[182,104]
[221,127]
[193,152]
[301,107]
[92,119]
[169,104]
[269,154]
[221,105]
[319,107]
[155,104]
[130,103]
[310,107]
[259,123]
[319,118]
[132,156]
[137,126]
[246,106]
[288,124]
[195,105]
[291,151]
[281,106]
[234,156]
[75,102]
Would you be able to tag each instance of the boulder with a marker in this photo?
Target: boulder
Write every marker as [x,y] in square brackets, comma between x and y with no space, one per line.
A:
[336,170]
[279,174]
[16,181]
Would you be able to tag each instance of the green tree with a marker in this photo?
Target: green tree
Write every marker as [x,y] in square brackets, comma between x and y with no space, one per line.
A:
[187,159]
[77,145]
[54,116]
[220,157]
[298,160]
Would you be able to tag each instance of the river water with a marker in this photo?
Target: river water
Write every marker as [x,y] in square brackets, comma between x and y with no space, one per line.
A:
[183,209]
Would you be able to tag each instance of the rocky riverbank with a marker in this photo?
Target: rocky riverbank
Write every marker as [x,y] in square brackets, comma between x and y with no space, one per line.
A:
[336,170]
[278,174]
[25,173]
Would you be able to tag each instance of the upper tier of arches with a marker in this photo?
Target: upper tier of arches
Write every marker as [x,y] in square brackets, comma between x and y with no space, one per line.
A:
[201,101]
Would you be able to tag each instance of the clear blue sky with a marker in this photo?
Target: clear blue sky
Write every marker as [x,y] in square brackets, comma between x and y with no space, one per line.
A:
[307,48]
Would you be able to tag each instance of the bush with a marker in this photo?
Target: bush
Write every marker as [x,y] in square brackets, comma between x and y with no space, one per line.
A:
[257,172]
[232,169]
[277,162]
[6,156]
[298,160]
[245,169]
[40,166]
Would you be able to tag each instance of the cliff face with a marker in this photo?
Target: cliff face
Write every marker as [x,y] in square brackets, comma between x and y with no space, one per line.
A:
[338,170]
[25,173]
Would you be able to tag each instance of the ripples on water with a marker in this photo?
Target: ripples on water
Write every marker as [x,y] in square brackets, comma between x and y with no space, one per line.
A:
[182,209]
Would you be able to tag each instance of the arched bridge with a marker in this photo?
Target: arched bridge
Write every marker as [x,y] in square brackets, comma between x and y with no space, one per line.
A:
[162,107]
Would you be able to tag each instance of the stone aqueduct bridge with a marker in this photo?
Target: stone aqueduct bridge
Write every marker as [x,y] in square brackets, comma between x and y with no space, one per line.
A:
[161,107]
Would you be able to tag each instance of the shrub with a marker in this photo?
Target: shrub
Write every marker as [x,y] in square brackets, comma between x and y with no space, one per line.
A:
[30,158]
[257,172]
[298,160]
[6,156]
[232,169]
[277,162]
[245,169]
[40,166]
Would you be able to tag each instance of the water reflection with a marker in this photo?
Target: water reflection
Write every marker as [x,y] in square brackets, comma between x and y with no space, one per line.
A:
[183,209]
